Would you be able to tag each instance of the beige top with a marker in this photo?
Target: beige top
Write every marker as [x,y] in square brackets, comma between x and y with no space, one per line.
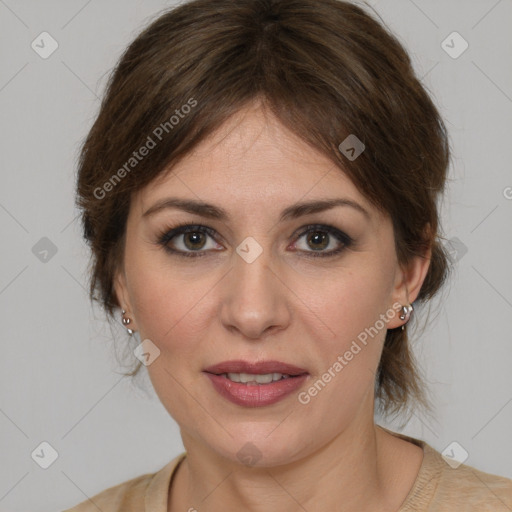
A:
[437,488]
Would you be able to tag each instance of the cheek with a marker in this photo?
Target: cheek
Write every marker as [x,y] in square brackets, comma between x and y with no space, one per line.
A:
[170,306]
[350,348]
[170,311]
[352,301]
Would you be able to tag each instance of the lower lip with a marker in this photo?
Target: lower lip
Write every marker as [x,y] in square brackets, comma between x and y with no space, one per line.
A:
[255,395]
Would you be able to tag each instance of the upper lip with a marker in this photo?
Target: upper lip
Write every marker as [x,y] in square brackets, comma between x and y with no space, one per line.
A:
[260,367]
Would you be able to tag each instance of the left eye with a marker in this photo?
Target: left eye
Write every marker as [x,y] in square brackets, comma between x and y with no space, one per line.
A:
[319,238]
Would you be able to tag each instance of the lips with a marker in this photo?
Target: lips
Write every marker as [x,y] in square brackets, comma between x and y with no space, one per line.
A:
[261,368]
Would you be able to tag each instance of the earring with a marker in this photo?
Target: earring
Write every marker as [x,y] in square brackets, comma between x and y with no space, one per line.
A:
[405,313]
[126,321]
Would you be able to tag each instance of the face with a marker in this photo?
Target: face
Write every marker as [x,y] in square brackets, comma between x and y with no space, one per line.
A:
[303,290]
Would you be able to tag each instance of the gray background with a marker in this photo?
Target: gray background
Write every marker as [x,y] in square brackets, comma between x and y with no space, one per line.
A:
[59,379]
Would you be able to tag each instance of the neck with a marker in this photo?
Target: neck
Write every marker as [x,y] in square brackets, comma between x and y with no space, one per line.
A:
[362,468]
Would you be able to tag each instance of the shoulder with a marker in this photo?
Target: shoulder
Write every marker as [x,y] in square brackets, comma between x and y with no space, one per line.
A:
[444,485]
[127,496]
[144,492]
[467,488]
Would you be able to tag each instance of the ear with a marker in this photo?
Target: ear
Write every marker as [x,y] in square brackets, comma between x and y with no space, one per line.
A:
[408,284]
[123,298]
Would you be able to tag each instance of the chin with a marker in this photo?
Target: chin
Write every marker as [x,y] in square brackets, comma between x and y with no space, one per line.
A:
[261,446]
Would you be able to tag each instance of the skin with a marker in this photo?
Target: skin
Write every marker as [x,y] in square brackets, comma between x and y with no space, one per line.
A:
[283,306]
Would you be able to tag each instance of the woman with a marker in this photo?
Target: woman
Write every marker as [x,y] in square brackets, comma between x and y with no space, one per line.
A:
[259,193]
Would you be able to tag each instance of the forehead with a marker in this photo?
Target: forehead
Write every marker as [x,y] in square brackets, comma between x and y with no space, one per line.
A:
[253,163]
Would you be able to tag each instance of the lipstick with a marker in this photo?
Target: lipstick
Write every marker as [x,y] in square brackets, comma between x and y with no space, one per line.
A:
[236,381]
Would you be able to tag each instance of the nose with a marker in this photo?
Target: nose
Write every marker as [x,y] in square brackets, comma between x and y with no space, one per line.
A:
[254,298]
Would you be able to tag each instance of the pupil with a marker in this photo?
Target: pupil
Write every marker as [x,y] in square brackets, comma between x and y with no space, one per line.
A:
[196,240]
[319,237]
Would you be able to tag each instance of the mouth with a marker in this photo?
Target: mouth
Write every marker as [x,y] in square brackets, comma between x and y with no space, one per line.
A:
[255,384]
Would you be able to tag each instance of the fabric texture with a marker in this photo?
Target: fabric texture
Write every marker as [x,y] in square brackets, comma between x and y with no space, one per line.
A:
[438,488]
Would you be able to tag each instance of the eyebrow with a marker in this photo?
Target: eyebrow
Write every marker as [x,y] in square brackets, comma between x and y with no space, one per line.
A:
[211,211]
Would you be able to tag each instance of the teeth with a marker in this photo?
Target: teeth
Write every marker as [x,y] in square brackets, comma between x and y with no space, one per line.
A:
[245,378]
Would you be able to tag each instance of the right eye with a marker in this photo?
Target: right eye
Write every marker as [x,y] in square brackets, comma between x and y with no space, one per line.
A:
[187,240]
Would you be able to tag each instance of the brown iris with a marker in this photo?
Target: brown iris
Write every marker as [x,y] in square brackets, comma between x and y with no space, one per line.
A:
[318,237]
[197,240]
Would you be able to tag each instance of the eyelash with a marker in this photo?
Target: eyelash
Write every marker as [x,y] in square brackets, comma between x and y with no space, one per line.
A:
[167,235]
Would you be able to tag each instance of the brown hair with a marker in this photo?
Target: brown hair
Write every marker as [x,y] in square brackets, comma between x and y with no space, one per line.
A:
[326,69]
